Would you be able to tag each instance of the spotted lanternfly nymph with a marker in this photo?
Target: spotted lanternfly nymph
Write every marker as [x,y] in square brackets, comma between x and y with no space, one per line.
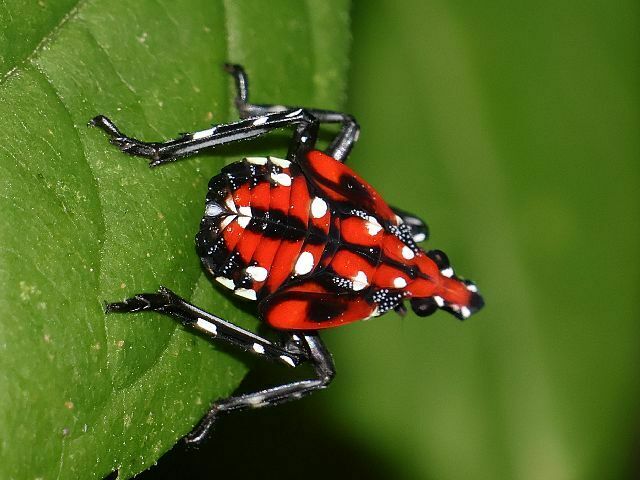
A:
[305,237]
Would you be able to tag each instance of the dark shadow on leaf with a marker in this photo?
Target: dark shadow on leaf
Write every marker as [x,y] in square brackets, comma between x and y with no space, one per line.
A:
[292,440]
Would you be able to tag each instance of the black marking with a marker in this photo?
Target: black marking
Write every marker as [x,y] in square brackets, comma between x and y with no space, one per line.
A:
[352,188]
[209,243]
[400,309]
[276,224]
[244,281]
[476,302]
[385,298]
[239,173]
[348,186]
[316,236]
[322,310]
[403,233]
[218,189]
[356,212]
[231,267]
[440,258]
[258,225]
[372,255]
[329,252]
[408,270]
[423,307]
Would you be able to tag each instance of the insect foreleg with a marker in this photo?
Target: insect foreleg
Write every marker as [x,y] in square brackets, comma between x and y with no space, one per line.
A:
[168,303]
[191,143]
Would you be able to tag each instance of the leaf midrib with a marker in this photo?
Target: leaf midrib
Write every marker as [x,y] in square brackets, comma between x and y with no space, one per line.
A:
[72,13]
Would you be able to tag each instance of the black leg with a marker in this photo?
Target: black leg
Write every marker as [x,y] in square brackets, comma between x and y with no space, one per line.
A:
[322,362]
[256,120]
[168,303]
[191,143]
[299,348]
[341,144]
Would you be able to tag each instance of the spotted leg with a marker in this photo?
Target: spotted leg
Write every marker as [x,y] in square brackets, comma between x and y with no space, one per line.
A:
[168,303]
[299,348]
[317,355]
[340,146]
[306,131]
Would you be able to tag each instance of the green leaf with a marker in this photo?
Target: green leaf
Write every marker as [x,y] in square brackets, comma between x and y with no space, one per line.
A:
[82,394]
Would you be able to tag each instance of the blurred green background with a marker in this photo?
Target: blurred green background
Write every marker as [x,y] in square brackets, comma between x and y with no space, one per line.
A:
[512,128]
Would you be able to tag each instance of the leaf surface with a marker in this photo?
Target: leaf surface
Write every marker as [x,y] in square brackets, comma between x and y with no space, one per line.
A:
[82,394]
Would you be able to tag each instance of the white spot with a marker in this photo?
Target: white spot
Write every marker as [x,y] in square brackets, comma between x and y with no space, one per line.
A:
[257,160]
[227,282]
[472,288]
[203,133]
[439,301]
[373,227]
[465,312]
[256,401]
[246,293]
[243,221]
[287,360]
[360,281]
[260,121]
[447,272]
[304,139]
[419,237]
[375,312]
[202,324]
[213,210]
[399,282]
[246,211]
[259,274]
[282,179]
[258,348]
[304,264]
[318,208]
[227,221]
[231,205]
[407,253]
[399,219]
[280,162]
[294,113]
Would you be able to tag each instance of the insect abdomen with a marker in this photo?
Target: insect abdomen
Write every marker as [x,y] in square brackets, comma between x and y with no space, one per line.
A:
[262,226]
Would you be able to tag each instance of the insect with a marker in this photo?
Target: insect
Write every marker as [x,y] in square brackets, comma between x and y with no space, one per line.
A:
[305,237]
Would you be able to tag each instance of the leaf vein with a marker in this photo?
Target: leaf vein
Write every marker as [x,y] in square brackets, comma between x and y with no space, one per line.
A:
[72,13]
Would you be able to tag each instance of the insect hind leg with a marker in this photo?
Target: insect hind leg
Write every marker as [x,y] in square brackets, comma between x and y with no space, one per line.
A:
[340,146]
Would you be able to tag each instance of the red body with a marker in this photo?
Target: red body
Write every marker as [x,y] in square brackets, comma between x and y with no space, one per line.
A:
[316,245]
